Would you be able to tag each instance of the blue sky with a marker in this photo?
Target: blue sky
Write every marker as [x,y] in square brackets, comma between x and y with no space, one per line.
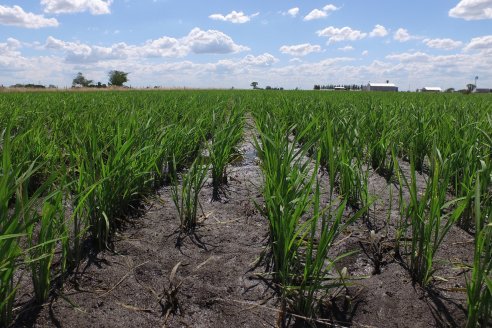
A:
[220,44]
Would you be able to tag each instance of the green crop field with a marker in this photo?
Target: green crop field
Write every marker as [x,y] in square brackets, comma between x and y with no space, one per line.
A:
[76,165]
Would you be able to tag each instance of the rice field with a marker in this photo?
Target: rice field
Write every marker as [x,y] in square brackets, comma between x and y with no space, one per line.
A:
[323,197]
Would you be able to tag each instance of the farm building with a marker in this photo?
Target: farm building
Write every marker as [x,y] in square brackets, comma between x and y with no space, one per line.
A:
[482,90]
[431,89]
[381,87]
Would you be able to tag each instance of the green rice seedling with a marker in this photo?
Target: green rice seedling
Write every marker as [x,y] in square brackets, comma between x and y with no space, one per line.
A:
[420,140]
[479,285]
[287,188]
[43,236]
[182,145]
[402,224]
[185,193]
[11,227]
[226,136]
[352,181]
[428,223]
[317,279]
[329,154]
[118,173]
[286,191]
[16,208]
[8,265]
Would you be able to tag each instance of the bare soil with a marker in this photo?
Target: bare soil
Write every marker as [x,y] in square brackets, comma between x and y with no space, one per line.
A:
[156,277]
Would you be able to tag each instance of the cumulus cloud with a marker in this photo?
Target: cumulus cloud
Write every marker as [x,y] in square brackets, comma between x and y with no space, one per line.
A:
[346,48]
[378,31]
[95,7]
[16,16]
[446,44]
[480,43]
[472,10]
[300,50]
[292,11]
[233,17]
[244,65]
[320,13]
[410,57]
[262,60]
[82,53]
[402,35]
[365,53]
[341,34]
[197,41]
[211,42]
[10,47]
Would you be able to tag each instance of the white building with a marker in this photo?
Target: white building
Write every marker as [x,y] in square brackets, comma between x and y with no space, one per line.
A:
[381,87]
[431,89]
[482,90]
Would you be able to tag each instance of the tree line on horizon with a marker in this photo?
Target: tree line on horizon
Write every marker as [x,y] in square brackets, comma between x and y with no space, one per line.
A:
[115,78]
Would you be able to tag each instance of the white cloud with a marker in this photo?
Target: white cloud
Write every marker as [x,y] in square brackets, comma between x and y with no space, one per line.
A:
[10,48]
[341,34]
[330,8]
[197,41]
[292,12]
[365,53]
[320,13]
[16,16]
[480,43]
[262,60]
[211,42]
[472,10]
[95,7]
[315,14]
[378,31]
[446,44]
[346,48]
[82,53]
[244,65]
[402,35]
[162,47]
[299,50]
[233,17]
[410,57]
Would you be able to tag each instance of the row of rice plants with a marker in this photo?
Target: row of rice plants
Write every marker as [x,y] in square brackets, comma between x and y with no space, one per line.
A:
[479,284]
[19,212]
[384,130]
[227,133]
[302,230]
[98,157]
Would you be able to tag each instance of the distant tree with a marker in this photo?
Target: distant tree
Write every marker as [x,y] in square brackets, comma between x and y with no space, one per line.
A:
[81,80]
[117,78]
[317,87]
[470,87]
[254,85]
[449,90]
